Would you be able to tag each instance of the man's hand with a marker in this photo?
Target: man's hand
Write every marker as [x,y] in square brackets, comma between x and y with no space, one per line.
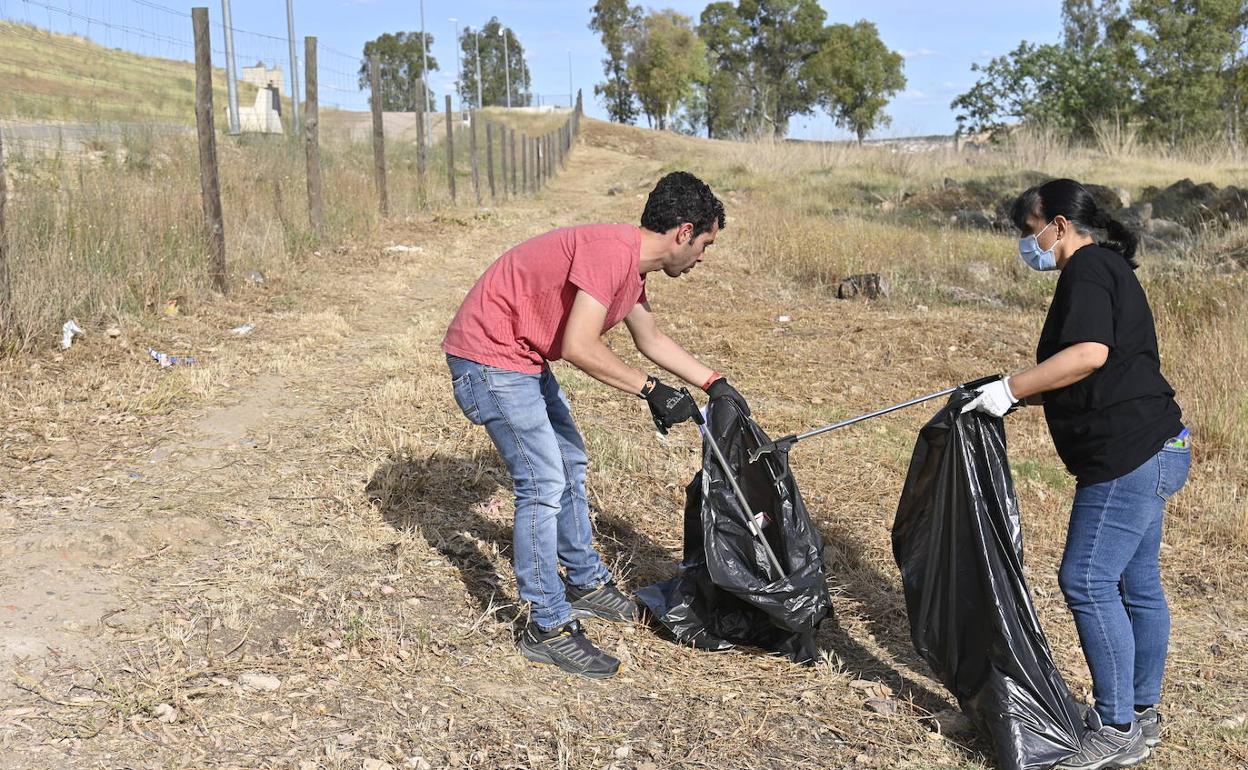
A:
[721,389]
[668,406]
[994,398]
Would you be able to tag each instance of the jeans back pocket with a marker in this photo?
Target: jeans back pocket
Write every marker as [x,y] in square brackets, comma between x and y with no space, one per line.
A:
[464,396]
[1174,464]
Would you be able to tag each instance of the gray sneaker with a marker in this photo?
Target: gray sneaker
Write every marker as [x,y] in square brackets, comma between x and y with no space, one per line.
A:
[1149,721]
[569,649]
[606,602]
[1107,747]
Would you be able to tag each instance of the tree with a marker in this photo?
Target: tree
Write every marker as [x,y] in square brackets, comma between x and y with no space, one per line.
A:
[494,69]
[853,76]
[617,23]
[1187,49]
[726,104]
[1085,23]
[665,61]
[1046,84]
[782,35]
[401,56]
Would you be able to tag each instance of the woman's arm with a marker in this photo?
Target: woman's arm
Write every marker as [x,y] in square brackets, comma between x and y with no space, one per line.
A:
[1069,366]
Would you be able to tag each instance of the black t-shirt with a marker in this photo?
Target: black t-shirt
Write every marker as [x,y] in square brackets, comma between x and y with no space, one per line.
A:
[1109,423]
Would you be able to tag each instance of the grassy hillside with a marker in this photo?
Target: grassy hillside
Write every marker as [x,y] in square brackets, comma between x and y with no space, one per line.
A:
[49,76]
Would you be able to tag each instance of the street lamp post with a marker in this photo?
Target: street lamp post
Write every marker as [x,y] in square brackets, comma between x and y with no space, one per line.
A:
[506,64]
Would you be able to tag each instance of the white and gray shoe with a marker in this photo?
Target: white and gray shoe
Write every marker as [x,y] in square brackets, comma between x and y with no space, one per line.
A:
[1149,721]
[1107,747]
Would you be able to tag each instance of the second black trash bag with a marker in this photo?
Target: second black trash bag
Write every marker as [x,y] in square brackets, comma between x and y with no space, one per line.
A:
[959,546]
[727,592]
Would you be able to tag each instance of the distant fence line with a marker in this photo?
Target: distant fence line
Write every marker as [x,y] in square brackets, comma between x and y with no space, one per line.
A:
[491,161]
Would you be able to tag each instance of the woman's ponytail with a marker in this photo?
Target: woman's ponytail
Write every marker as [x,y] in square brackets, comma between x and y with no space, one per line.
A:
[1119,238]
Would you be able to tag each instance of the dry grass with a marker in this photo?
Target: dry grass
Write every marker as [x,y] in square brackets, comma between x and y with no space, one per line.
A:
[309,504]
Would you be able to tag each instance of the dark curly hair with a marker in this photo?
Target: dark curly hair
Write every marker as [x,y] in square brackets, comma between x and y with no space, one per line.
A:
[681,197]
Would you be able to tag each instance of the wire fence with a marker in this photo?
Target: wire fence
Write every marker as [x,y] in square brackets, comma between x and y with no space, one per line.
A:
[104,179]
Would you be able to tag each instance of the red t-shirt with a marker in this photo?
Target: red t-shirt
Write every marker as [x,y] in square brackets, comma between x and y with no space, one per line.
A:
[514,316]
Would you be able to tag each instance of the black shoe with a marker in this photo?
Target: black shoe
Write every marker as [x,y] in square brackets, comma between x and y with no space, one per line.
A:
[1104,746]
[568,648]
[606,602]
[1149,721]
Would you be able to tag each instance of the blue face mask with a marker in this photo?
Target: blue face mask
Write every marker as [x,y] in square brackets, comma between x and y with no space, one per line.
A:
[1029,250]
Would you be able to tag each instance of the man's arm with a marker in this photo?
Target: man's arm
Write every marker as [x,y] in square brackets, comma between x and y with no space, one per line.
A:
[583,347]
[663,350]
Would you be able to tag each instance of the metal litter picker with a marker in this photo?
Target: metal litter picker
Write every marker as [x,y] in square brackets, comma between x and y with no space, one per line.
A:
[785,443]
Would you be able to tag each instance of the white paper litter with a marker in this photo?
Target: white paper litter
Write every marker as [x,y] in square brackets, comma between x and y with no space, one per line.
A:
[70,330]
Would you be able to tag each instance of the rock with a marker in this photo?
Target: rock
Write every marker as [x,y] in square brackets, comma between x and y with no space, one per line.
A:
[973,219]
[871,688]
[869,285]
[1105,197]
[979,272]
[113,332]
[623,752]
[165,713]
[1182,201]
[1229,206]
[952,722]
[1136,216]
[615,191]
[1233,722]
[255,277]
[348,739]
[884,706]
[262,682]
[1166,230]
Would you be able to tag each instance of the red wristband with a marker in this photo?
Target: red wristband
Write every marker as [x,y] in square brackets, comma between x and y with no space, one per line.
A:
[711,380]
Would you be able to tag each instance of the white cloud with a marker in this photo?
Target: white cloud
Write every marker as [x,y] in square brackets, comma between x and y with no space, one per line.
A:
[920,53]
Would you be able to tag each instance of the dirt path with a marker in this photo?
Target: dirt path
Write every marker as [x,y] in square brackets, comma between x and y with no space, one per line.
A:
[309,567]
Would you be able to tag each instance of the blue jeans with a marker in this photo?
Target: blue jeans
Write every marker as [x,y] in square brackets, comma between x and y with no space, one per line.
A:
[528,419]
[1111,579]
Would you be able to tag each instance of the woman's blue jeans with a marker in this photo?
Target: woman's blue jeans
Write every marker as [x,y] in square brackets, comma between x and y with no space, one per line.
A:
[528,419]
[1112,582]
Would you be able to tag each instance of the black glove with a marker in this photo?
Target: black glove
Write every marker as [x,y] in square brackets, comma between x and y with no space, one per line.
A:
[668,406]
[721,389]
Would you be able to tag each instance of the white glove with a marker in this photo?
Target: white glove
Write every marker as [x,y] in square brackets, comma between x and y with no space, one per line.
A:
[994,398]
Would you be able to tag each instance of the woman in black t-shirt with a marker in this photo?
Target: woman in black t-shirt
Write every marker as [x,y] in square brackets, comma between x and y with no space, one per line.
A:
[1117,427]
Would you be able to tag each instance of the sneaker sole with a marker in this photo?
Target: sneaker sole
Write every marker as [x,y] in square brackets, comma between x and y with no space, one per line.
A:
[540,657]
[1112,763]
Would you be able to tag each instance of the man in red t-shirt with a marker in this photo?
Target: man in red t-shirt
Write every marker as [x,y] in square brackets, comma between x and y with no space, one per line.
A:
[550,298]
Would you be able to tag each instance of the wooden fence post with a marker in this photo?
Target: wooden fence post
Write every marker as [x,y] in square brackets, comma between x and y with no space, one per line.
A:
[210,185]
[6,295]
[422,158]
[450,149]
[472,151]
[312,131]
[524,159]
[379,137]
[511,132]
[504,185]
[489,158]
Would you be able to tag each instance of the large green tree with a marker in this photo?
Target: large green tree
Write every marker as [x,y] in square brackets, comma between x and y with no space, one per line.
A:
[1045,84]
[1188,51]
[498,61]
[782,35]
[666,59]
[854,75]
[1085,23]
[401,55]
[725,100]
[618,24]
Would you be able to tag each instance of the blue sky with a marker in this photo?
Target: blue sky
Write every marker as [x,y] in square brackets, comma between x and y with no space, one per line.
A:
[940,40]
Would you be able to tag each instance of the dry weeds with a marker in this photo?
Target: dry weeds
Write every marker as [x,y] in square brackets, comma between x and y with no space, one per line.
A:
[307,505]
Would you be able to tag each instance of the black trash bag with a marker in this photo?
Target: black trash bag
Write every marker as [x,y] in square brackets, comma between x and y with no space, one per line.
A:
[959,546]
[728,592]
